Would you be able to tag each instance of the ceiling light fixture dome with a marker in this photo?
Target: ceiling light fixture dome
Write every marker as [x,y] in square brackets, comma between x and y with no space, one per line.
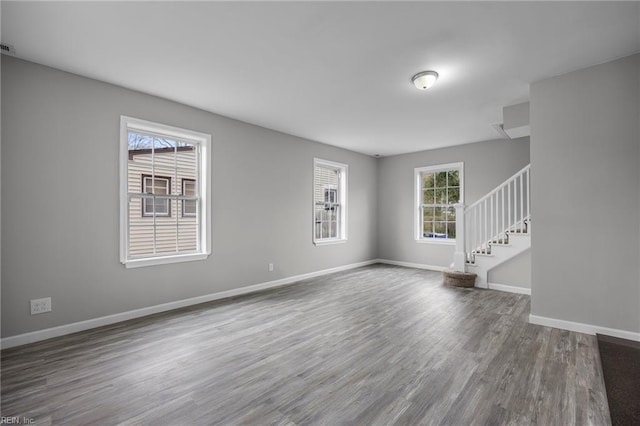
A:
[425,79]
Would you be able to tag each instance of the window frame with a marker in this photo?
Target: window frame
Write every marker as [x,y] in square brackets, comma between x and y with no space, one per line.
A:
[204,233]
[418,204]
[144,203]
[341,189]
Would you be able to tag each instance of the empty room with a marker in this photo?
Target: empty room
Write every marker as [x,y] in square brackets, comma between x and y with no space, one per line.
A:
[320,213]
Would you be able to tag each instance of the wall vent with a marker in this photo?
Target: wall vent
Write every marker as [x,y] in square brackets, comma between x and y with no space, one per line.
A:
[7,49]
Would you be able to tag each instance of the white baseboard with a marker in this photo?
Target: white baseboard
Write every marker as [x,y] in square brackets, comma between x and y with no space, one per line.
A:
[509,288]
[412,265]
[48,333]
[583,328]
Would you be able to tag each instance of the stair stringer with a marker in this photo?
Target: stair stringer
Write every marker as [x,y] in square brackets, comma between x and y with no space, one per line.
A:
[500,253]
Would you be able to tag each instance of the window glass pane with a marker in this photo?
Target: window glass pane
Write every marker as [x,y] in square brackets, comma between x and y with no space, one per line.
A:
[166,237]
[427,229]
[441,196]
[187,159]
[189,207]
[163,169]
[334,229]
[450,214]
[428,213]
[148,207]
[135,210]
[164,148]
[140,240]
[162,206]
[428,180]
[139,161]
[159,207]
[453,178]
[189,187]
[439,213]
[188,171]
[187,235]
[441,179]
[161,186]
[454,195]
[428,196]
[440,229]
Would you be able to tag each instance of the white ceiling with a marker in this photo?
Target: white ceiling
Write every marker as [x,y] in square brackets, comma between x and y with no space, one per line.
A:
[334,72]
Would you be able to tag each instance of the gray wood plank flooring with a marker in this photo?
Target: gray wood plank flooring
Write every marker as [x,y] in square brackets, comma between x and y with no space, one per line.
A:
[371,346]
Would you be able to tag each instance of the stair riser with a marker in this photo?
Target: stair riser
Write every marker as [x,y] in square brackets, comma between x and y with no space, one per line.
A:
[499,254]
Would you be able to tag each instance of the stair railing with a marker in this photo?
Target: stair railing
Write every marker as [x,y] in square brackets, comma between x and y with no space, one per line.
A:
[506,209]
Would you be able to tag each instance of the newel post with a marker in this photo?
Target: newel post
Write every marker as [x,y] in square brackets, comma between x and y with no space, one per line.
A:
[459,257]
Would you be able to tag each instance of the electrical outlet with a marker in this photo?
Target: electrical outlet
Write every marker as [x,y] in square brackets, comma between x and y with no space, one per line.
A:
[271,267]
[40,306]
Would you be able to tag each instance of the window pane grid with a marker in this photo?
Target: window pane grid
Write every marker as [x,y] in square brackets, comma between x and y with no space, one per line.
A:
[157,167]
[439,190]
[328,199]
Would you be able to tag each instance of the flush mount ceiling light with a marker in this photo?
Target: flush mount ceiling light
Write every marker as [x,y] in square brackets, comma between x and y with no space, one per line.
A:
[425,79]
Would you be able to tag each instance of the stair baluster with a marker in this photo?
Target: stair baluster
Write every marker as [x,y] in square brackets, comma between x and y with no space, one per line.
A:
[490,221]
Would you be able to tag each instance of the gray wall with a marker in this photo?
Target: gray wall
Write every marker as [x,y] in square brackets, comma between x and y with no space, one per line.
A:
[60,202]
[585,163]
[486,165]
[515,272]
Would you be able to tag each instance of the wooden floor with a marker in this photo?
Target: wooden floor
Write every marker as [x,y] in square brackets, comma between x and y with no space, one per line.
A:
[374,345]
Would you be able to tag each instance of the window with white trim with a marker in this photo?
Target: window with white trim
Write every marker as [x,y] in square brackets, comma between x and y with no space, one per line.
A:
[165,203]
[329,202]
[438,189]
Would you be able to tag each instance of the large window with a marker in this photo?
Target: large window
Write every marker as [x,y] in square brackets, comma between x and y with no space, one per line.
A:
[165,204]
[329,202]
[438,189]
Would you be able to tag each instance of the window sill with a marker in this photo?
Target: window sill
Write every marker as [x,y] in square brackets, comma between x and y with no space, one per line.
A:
[329,242]
[436,241]
[162,260]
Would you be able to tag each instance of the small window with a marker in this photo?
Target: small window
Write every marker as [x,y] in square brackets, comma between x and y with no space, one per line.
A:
[165,202]
[189,190]
[157,205]
[331,195]
[329,202]
[438,189]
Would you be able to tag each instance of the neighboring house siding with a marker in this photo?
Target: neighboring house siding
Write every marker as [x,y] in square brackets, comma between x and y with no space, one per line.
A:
[324,178]
[169,230]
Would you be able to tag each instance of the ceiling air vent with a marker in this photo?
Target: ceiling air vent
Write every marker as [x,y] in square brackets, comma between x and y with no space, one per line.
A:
[7,49]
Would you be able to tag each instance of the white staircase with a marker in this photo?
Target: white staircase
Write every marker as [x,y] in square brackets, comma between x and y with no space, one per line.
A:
[495,228]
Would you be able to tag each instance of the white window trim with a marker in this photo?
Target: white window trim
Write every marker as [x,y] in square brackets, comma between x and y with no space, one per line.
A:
[342,192]
[417,220]
[204,140]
